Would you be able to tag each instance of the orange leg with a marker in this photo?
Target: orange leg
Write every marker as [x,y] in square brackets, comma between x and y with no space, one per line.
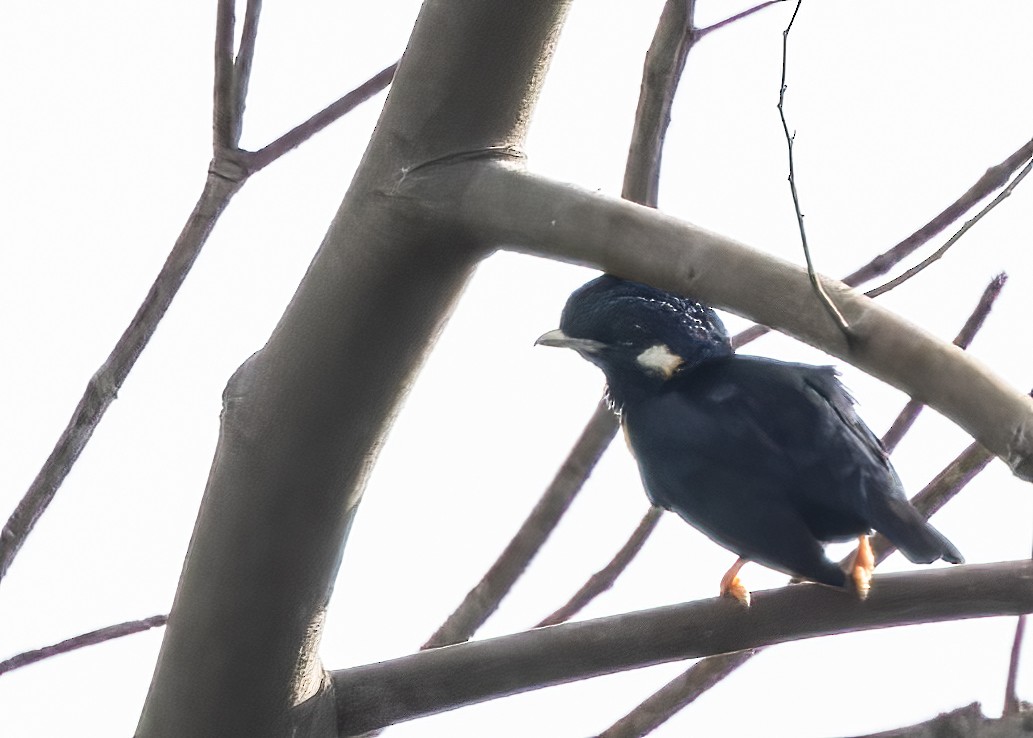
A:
[732,587]
[862,566]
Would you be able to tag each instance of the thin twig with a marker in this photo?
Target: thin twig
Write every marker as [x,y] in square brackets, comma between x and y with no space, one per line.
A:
[911,410]
[938,254]
[229,170]
[222,103]
[81,641]
[790,139]
[737,17]
[332,112]
[1012,703]
[994,178]
[485,597]
[242,67]
[603,579]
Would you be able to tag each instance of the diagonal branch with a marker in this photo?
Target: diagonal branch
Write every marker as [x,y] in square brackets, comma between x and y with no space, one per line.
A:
[376,695]
[229,170]
[484,598]
[332,112]
[909,414]
[92,638]
[993,178]
[938,254]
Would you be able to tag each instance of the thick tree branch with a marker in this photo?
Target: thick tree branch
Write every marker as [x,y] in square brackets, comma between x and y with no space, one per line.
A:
[531,214]
[377,695]
[304,417]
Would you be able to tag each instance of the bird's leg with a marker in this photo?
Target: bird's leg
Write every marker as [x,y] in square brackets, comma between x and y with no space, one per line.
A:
[732,587]
[862,566]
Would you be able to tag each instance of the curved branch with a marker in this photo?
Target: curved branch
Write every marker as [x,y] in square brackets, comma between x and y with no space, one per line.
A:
[532,214]
[376,695]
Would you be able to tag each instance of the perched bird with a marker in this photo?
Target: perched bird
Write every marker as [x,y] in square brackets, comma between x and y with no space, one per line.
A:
[767,458]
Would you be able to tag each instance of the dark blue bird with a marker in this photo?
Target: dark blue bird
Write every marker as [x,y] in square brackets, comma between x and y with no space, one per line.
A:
[767,458]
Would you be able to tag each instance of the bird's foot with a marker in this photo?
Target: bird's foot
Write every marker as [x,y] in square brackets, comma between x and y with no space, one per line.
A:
[732,586]
[862,567]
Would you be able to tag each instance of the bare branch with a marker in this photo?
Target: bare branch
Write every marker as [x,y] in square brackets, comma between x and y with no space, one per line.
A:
[968,331]
[737,17]
[994,178]
[222,105]
[830,306]
[529,213]
[603,579]
[485,597]
[81,641]
[242,68]
[372,696]
[665,62]
[1012,703]
[938,254]
[332,112]
[104,385]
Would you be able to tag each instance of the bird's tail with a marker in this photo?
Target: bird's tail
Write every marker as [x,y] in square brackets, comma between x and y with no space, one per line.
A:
[906,529]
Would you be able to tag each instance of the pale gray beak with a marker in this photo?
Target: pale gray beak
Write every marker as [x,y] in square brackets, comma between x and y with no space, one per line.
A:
[562,340]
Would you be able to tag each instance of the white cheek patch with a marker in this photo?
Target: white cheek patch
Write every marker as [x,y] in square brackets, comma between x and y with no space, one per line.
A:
[660,360]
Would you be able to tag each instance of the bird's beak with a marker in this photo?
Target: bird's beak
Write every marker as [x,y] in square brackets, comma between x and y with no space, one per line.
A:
[562,340]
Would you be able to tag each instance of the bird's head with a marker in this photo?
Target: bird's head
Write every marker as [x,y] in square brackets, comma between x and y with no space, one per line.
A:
[638,335]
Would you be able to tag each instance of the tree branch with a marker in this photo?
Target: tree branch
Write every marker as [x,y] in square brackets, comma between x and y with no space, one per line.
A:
[222,102]
[938,254]
[304,417]
[429,682]
[532,214]
[332,112]
[993,179]
[484,598]
[913,408]
[92,638]
[603,579]
[103,387]
[242,68]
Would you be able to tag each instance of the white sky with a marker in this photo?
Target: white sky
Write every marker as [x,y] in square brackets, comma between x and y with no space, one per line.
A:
[107,122]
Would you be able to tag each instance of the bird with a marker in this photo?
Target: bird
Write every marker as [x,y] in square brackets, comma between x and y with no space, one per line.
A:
[767,458]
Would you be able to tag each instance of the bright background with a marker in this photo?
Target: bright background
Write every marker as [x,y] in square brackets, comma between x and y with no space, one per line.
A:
[899,108]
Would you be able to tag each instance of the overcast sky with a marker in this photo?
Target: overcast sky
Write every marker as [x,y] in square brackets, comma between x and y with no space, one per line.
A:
[899,107]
